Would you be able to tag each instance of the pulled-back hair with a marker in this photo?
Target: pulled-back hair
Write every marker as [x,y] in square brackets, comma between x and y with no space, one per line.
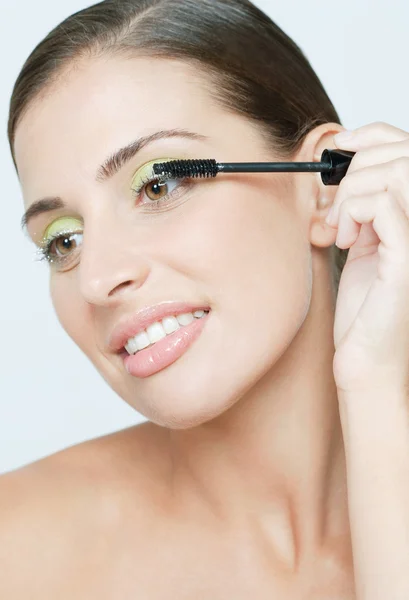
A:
[254,68]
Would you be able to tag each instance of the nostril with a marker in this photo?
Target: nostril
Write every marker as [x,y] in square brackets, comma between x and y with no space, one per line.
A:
[119,287]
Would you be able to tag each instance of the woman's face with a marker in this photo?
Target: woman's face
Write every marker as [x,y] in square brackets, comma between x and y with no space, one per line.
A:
[235,244]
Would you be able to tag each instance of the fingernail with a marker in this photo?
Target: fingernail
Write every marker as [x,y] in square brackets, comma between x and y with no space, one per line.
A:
[344,136]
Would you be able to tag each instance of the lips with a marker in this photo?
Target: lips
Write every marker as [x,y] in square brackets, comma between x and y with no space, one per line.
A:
[134,324]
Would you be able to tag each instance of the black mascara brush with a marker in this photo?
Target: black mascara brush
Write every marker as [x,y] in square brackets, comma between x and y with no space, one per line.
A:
[333,167]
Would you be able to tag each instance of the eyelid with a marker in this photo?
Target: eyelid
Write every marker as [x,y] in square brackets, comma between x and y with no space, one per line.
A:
[65,223]
[61,224]
[146,171]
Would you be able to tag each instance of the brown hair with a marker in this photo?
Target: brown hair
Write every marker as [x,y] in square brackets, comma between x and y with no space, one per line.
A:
[256,70]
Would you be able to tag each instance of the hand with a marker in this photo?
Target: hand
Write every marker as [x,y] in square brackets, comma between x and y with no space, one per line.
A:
[371,212]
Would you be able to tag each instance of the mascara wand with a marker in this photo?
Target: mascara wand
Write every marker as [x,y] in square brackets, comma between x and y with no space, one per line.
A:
[333,167]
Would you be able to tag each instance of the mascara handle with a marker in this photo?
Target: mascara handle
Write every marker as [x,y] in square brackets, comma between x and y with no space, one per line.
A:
[339,161]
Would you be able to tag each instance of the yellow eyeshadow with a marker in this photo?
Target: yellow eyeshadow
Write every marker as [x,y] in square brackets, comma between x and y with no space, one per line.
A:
[63,225]
[146,172]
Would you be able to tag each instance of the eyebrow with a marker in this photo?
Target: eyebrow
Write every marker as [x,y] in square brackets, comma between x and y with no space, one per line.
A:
[110,167]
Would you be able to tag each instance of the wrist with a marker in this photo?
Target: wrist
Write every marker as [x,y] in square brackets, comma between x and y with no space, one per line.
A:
[378,415]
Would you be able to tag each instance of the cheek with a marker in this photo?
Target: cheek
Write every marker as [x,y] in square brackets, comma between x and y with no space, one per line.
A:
[259,274]
[242,247]
[240,240]
[71,311]
[217,234]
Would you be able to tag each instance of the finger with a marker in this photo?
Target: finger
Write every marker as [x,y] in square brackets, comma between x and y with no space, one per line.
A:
[388,221]
[379,155]
[392,176]
[372,135]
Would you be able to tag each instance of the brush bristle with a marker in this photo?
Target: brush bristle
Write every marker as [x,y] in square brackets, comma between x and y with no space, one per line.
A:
[180,169]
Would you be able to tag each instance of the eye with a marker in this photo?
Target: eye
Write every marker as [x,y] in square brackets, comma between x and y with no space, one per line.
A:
[61,242]
[63,245]
[156,190]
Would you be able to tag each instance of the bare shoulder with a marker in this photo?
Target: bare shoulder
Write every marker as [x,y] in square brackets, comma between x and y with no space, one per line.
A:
[61,511]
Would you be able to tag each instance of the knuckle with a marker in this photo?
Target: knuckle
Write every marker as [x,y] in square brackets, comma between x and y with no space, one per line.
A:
[347,204]
[401,169]
[381,126]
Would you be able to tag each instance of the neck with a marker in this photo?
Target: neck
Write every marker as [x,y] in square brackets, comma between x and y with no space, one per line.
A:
[275,463]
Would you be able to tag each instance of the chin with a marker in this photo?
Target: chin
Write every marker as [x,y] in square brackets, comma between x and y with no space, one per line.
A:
[205,383]
[184,411]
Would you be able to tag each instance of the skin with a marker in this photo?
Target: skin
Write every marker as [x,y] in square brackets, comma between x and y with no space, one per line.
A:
[237,485]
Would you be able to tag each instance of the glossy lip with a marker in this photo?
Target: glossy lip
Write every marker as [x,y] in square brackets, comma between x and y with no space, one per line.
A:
[131,326]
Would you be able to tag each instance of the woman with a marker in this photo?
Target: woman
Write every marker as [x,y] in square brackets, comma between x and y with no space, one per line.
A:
[255,475]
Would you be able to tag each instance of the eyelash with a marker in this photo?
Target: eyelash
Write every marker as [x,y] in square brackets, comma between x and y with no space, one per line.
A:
[44,252]
[142,184]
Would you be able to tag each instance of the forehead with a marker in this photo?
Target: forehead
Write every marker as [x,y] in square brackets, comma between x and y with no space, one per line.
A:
[103,104]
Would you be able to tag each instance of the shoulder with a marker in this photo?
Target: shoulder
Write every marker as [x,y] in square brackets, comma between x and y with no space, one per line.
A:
[61,507]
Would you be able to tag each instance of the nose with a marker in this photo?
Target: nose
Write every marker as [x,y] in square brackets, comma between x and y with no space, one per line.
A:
[111,266]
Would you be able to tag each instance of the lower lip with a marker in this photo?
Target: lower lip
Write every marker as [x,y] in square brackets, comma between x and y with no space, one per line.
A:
[165,352]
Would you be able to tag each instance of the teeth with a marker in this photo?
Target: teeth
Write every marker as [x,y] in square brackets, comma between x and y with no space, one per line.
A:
[198,313]
[157,331]
[185,319]
[132,347]
[170,324]
[142,340]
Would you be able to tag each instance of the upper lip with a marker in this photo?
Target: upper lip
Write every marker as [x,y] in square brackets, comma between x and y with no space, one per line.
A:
[132,325]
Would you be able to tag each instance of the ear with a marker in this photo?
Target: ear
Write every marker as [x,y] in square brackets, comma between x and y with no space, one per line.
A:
[322,196]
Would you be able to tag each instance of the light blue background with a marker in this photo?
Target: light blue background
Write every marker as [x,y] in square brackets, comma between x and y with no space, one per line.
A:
[51,396]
